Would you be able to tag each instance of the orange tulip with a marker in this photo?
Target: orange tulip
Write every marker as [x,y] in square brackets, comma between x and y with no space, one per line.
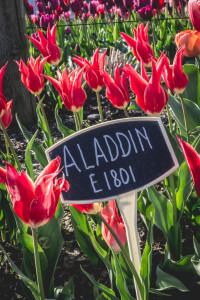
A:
[191,40]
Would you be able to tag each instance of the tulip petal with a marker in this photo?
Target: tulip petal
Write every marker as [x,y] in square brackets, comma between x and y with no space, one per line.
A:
[193,161]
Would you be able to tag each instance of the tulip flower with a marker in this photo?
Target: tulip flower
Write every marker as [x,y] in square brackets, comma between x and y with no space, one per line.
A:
[190,39]
[31,75]
[193,161]
[91,209]
[140,45]
[47,46]
[194,13]
[69,88]
[110,214]
[150,95]
[34,203]
[5,112]
[5,107]
[175,79]
[116,91]
[92,71]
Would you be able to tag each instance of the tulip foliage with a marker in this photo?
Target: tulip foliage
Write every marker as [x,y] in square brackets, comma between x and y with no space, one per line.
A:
[160,76]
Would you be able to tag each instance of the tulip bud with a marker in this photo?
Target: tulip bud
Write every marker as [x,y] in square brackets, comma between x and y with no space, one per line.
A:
[77,48]
[93,5]
[67,30]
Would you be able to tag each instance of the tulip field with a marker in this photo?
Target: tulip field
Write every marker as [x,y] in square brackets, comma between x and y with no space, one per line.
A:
[91,63]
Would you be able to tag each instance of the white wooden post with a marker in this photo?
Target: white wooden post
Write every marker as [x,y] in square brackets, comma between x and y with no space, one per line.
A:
[127,204]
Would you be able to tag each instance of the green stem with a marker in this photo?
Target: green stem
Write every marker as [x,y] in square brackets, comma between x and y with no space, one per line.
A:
[44,114]
[185,117]
[37,265]
[153,34]
[125,254]
[126,113]
[174,205]
[7,140]
[99,107]
[7,146]
[79,121]
[169,118]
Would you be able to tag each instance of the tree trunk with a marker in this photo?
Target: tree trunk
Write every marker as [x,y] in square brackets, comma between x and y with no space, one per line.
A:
[13,46]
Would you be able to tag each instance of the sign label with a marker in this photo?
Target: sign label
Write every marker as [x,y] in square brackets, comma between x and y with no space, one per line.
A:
[114,158]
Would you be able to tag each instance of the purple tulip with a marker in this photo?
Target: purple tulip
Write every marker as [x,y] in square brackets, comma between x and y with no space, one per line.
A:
[76,5]
[54,4]
[146,13]
[67,30]
[45,20]
[128,3]
[36,36]
[48,8]
[40,6]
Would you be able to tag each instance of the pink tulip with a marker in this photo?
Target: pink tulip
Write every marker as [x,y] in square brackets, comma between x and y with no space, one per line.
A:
[92,208]
[150,95]
[92,72]
[47,46]
[110,214]
[69,88]
[116,91]
[175,79]
[34,203]
[194,13]
[140,45]
[193,161]
[31,75]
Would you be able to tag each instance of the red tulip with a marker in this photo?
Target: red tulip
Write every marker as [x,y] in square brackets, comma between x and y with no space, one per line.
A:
[69,88]
[175,79]
[150,95]
[193,161]
[194,13]
[110,214]
[92,71]
[31,75]
[47,46]
[34,203]
[140,45]
[5,112]
[5,107]
[92,208]
[116,91]
[190,39]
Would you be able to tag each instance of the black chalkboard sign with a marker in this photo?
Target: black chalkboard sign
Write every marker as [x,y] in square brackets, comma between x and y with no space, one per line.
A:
[113,158]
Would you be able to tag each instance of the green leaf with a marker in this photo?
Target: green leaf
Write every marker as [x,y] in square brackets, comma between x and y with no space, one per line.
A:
[167,282]
[196,247]
[184,188]
[62,128]
[30,284]
[104,257]
[164,221]
[66,292]
[38,149]
[26,241]
[192,113]
[83,232]
[192,90]
[100,286]
[52,249]
[44,127]
[145,207]
[146,263]
[28,161]
[120,280]
[163,210]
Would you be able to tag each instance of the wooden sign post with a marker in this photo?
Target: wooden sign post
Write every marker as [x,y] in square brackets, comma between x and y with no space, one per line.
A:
[116,160]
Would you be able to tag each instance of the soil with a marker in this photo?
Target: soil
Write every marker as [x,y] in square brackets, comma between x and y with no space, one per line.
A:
[71,256]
